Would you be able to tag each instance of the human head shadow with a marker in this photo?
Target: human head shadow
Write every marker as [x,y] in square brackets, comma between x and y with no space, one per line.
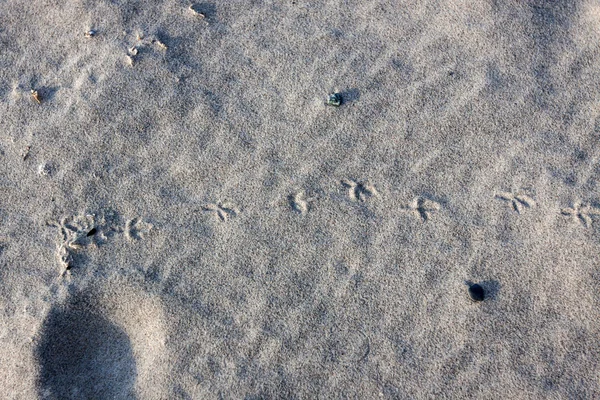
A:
[83,355]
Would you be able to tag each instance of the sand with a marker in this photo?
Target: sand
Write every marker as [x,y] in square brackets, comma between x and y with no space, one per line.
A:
[183,217]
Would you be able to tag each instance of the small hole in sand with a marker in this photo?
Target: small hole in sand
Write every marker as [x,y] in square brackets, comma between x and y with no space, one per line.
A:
[476,292]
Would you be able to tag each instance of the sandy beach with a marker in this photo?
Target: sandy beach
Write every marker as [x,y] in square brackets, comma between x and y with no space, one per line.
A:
[183,216]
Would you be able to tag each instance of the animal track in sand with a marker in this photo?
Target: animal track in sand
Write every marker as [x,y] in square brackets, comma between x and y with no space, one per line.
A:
[136,229]
[583,212]
[78,232]
[223,210]
[359,191]
[299,203]
[422,207]
[517,200]
[135,51]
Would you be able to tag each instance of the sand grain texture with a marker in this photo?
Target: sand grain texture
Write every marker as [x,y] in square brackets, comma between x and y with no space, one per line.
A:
[182,216]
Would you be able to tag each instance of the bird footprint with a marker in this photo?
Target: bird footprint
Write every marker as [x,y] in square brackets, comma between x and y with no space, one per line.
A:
[77,232]
[223,210]
[299,202]
[518,200]
[359,191]
[583,212]
[136,229]
[423,207]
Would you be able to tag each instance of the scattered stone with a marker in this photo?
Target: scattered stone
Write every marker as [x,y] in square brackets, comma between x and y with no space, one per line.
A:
[476,292]
[334,99]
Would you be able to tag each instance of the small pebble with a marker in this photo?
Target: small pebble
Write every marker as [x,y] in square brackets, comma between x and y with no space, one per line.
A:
[90,34]
[334,99]
[476,292]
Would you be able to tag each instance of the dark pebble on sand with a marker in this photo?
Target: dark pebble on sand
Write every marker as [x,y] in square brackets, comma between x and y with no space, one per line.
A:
[334,99]
[476,292]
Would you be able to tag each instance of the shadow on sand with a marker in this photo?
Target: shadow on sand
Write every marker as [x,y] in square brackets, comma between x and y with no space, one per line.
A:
[83,355]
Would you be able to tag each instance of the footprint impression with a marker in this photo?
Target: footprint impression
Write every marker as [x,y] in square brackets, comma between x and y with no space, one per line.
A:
[78,232]
[422,207]
[583,212]
[299,203]
[224,210]
[518,201]
[359,191]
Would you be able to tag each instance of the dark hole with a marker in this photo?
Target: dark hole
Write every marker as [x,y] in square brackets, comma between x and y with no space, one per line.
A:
[92,232]
[476,292]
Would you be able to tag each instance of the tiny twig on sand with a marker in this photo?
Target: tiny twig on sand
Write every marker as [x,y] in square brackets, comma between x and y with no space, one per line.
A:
[36,96]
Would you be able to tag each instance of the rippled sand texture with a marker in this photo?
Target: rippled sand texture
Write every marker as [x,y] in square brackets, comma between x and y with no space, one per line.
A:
[182,216]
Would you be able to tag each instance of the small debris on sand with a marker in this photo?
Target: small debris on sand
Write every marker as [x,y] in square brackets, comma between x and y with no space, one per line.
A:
[334,99]
[36,96]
